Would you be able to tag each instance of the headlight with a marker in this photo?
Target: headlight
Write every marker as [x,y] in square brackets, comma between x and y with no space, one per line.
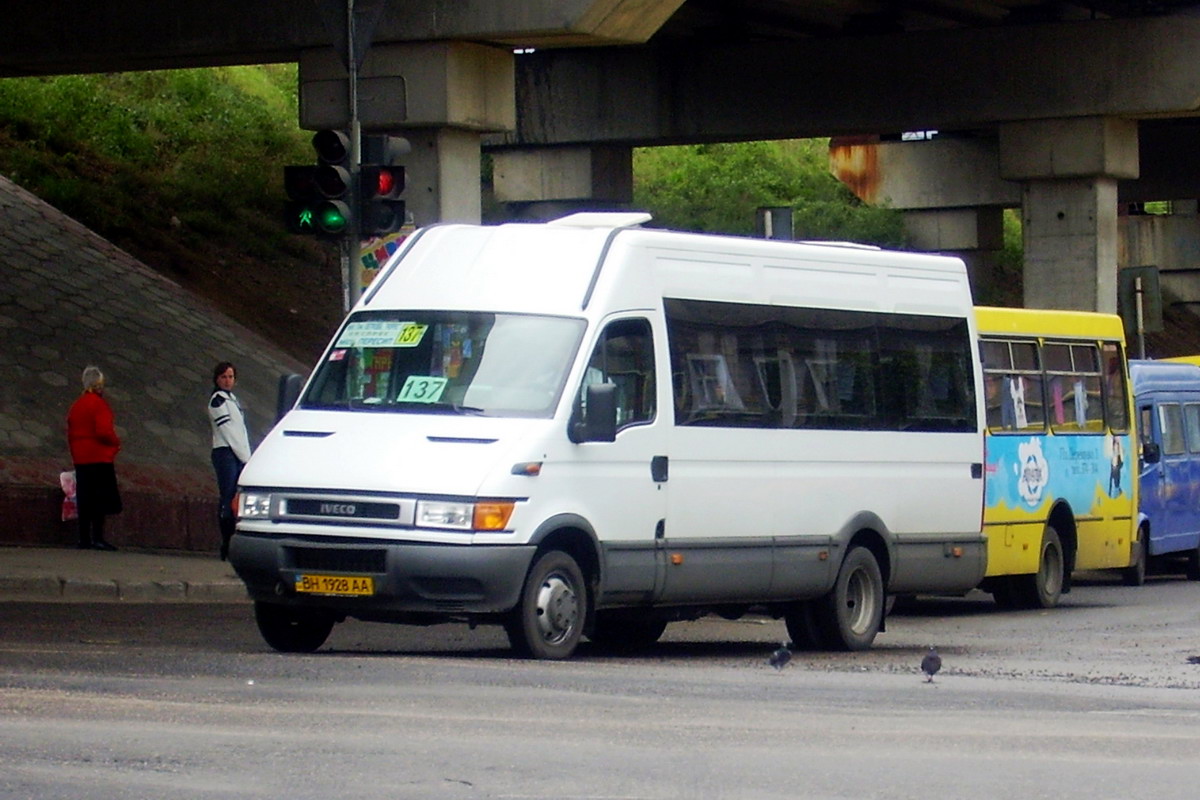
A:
[486,515]
[254,505]
[439,514]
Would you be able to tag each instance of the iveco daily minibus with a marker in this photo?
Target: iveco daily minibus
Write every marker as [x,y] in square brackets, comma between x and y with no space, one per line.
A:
[590,428]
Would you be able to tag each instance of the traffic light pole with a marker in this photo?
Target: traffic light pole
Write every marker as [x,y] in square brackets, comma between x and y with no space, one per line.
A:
[352,242]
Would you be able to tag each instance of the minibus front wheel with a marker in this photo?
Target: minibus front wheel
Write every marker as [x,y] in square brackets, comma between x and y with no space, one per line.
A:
[1135,573]
[292,630]
[1043,588]
[548,621]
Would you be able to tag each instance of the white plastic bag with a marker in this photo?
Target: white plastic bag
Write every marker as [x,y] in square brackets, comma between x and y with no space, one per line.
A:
[67,481]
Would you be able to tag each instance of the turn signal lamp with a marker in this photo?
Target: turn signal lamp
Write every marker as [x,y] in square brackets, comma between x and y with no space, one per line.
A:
[492,515]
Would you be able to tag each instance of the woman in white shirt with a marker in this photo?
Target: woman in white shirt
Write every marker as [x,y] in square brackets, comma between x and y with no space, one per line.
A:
[230,446]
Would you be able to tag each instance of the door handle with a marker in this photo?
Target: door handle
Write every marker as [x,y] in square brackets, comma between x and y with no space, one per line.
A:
[658,469]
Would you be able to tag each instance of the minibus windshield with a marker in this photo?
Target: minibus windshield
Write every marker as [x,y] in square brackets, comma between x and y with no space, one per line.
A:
[447,362]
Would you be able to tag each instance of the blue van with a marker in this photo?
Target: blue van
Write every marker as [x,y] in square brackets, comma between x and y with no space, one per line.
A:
[1167,397]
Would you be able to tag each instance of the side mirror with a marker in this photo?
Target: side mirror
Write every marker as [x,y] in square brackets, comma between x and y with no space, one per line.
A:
[289,393]
[1150,453]
[595,419]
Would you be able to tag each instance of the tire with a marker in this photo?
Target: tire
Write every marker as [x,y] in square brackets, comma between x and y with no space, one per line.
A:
[1005,593]
[1135,573]
[1192,569]
[1044,588]
[549,619]
[849,617]
[625,631]
[802,628]
[292,630]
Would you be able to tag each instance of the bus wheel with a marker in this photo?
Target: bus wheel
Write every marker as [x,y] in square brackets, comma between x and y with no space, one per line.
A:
[548,621]
[1044,588]
[1192,569]
[801,621]
[1135,573]
[850,615]
[1006,592]
[292,630]
[625,631]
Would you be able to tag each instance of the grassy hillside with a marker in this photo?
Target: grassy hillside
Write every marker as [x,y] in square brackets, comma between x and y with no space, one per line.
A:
[183,168]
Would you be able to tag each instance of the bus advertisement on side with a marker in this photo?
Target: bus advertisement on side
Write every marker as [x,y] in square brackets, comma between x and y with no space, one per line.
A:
[1060,493]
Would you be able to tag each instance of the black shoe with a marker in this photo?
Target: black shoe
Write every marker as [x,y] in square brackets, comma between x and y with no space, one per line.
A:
[103,545]
[85,545]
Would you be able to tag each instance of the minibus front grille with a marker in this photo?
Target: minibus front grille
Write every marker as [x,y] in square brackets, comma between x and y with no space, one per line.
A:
[333,509]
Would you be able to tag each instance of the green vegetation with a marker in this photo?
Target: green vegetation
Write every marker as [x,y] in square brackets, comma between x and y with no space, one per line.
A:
[182,168]
[718,187]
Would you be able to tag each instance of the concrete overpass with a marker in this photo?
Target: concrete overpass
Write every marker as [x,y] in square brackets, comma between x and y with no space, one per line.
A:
[1051,105]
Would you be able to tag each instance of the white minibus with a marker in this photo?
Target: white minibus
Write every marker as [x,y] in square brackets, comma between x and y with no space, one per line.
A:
[587,428]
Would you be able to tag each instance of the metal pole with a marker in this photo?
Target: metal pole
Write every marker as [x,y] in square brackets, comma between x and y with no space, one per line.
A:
[1141,332]
[352,251]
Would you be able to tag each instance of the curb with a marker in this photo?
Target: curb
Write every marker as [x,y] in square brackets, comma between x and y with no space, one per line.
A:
[81,590]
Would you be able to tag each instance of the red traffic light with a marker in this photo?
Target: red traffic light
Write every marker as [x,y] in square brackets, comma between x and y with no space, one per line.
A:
[381,182]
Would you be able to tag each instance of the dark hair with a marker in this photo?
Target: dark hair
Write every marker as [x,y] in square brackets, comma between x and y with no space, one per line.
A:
[219,370]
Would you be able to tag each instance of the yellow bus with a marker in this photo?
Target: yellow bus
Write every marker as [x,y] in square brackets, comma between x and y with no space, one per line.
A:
[1060,491]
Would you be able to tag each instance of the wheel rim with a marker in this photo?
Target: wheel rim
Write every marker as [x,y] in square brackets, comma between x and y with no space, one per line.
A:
[557,609]
[860,600]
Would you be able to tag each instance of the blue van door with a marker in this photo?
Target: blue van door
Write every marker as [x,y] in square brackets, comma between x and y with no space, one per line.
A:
[1167,482]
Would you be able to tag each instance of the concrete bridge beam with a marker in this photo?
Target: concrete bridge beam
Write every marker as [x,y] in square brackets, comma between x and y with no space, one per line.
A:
[541,183]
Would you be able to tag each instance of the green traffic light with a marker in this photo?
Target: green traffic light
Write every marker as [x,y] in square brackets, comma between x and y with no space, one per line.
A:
[332,219]
[306,218]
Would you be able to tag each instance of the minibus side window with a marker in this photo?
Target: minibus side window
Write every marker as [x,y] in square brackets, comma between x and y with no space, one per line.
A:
[624,356]
[1191,421]
[1170,422]
[1146,424]
[1114,387]
[736,365]
[1075,398]
[1013,385]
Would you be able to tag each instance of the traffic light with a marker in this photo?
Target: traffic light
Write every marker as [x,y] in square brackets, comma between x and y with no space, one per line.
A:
[381,184]
[319,195]
[382,208]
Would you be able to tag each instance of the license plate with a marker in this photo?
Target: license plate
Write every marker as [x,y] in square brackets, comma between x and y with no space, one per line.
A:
[353,585]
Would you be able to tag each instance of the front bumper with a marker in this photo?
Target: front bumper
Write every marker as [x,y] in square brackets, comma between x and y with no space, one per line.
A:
[409,577]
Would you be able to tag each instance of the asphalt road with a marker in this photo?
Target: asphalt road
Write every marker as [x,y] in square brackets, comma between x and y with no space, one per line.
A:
[1095,699]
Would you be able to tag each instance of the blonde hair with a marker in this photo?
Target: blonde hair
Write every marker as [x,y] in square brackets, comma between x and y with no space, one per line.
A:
[92,377]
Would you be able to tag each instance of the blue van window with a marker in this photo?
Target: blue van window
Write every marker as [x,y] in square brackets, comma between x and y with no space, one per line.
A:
[1170,422]
[1191,423]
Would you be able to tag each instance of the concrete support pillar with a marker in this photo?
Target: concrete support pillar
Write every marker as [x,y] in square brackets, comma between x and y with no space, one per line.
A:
[1070,236]
[442,176]
[544,183]
[976,235]
[1068,170]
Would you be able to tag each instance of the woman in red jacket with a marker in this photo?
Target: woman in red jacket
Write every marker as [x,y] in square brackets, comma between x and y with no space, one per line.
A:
[94,444]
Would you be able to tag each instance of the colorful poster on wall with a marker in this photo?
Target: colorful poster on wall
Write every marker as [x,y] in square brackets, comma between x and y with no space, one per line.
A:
[375,253]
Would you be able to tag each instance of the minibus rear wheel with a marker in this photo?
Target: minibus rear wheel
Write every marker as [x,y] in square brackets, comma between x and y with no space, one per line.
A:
[849,617]
[548,621]
[292,630]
